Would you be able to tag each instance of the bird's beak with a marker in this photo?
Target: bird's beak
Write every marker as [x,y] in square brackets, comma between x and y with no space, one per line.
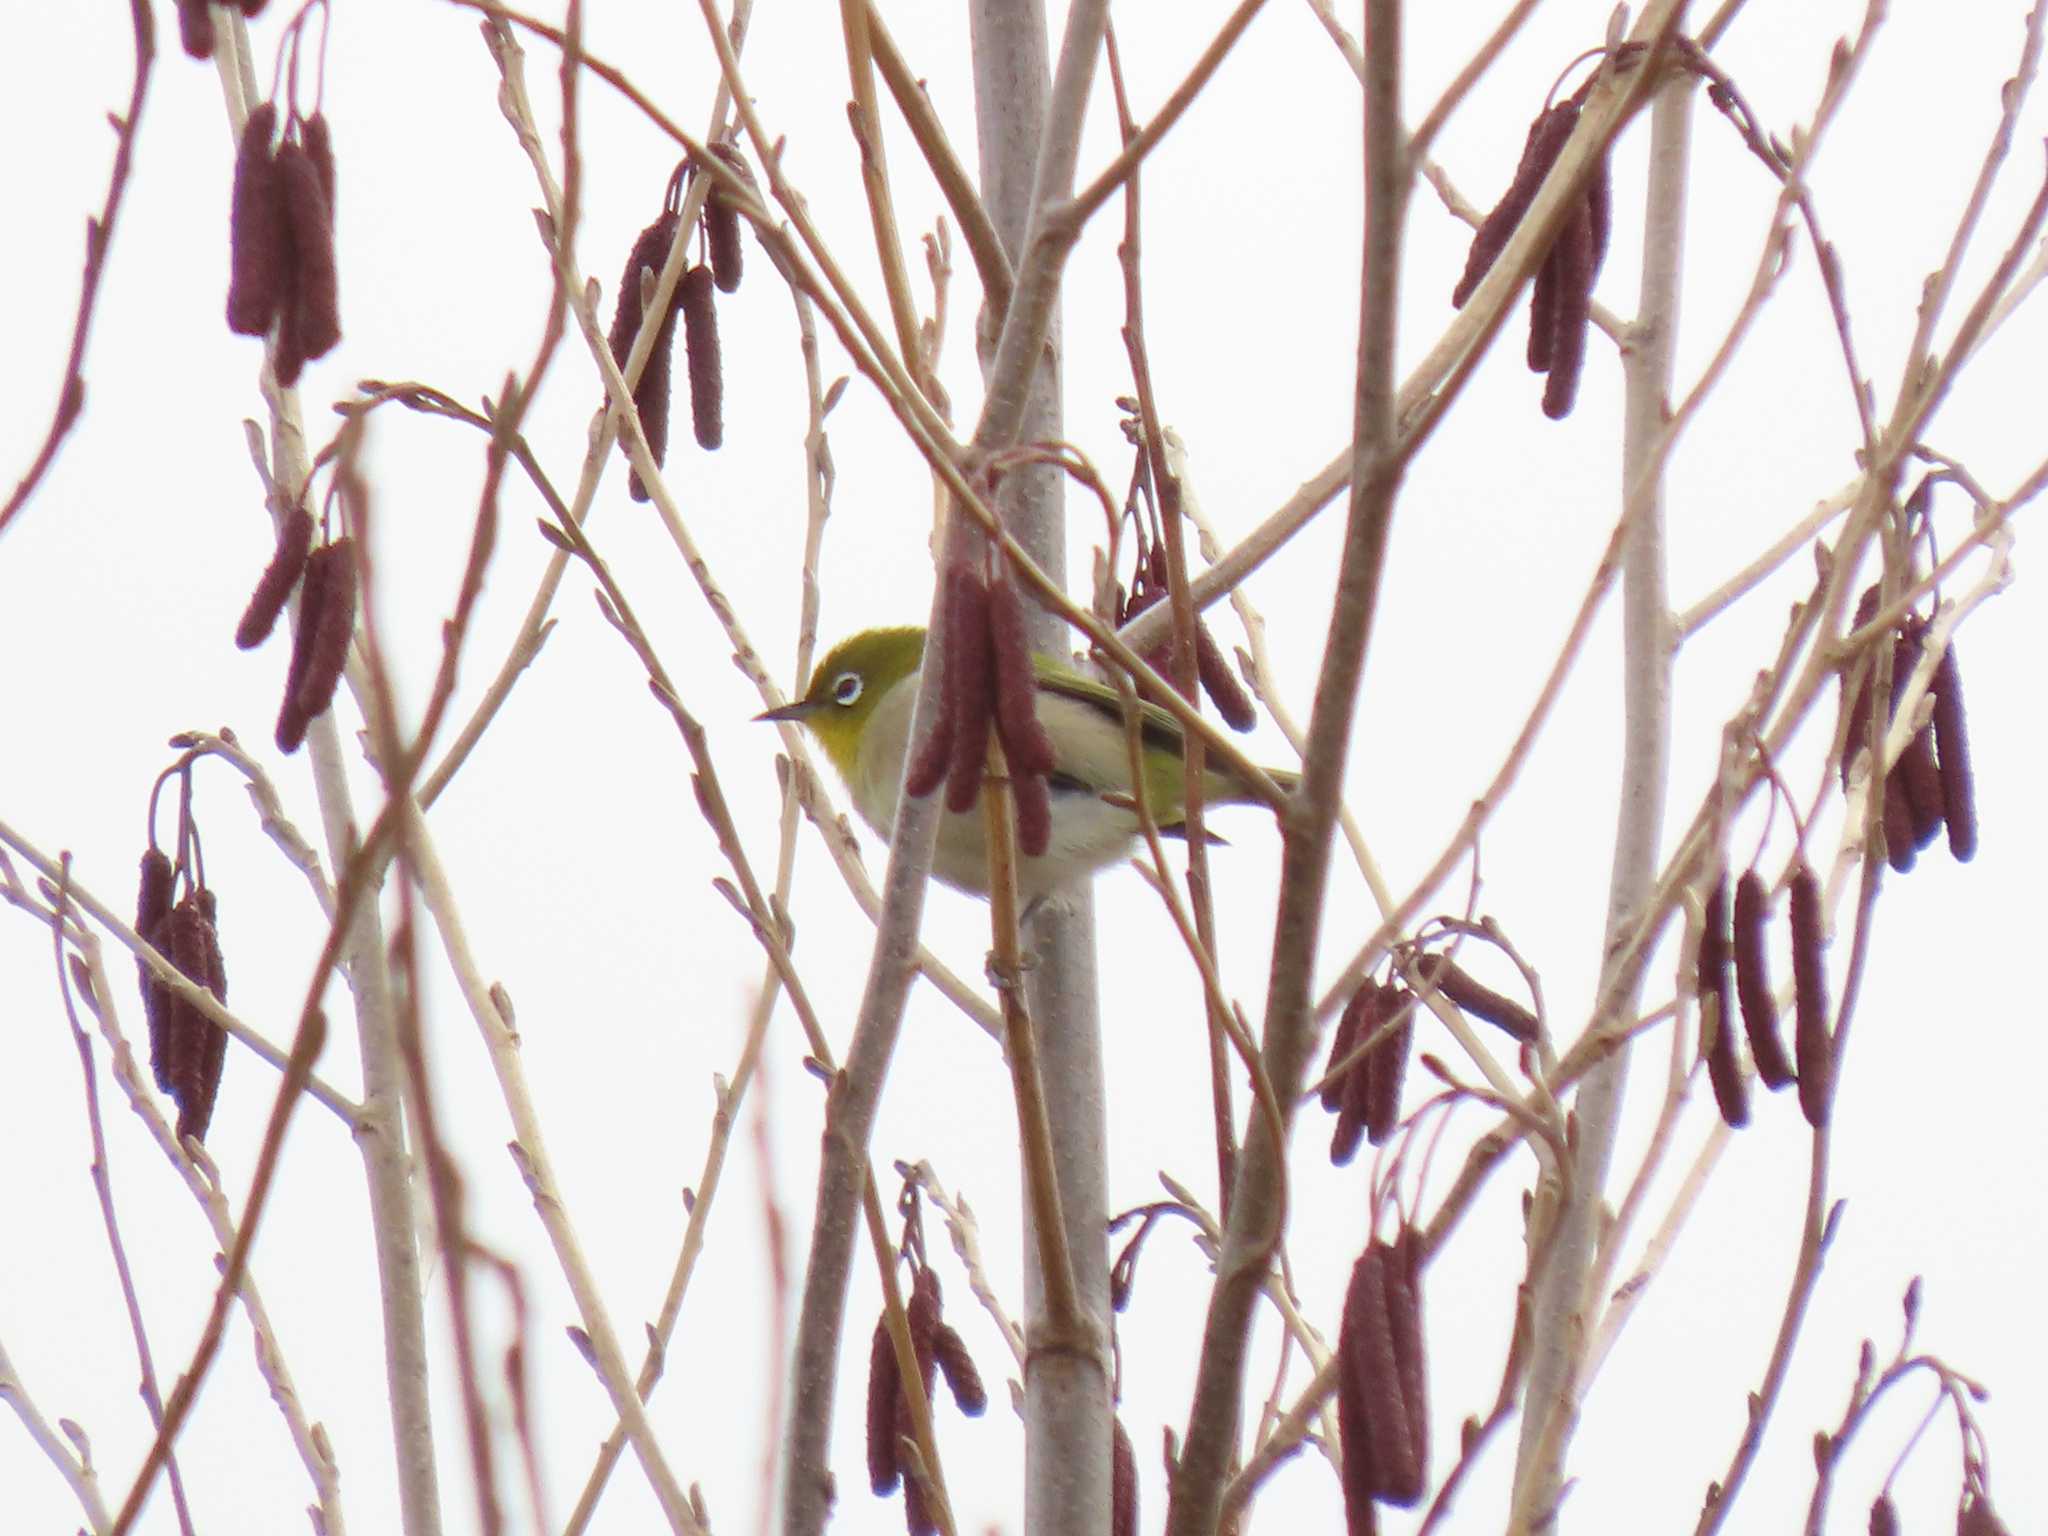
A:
[800,710]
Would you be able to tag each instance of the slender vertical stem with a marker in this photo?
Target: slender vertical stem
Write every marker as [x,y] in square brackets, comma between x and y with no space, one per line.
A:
[850,1107]
[1066,1392]
[380,1122]
[1560,1311]
[1258,1210]
[874,176]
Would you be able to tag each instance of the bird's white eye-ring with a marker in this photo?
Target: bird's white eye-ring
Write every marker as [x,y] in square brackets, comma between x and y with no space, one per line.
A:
[846,688]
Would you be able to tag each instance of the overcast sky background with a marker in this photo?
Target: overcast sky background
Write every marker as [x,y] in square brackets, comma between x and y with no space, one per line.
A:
[584,869]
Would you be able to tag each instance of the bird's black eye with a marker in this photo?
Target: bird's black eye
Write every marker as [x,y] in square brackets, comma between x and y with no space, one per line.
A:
[846,688]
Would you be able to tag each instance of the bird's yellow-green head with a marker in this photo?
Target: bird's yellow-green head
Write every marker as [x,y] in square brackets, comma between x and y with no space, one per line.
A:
[844,688]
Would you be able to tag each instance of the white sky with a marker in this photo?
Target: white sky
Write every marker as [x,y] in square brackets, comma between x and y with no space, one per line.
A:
[584,870]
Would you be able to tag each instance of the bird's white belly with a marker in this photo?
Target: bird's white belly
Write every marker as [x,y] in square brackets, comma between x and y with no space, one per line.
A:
[1087,831]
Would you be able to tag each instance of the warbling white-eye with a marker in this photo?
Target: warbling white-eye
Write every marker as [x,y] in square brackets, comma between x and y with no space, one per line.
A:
[858,704]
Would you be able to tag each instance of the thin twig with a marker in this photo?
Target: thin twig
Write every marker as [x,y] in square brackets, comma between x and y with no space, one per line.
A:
[1559,1324]
[379,1125]
[991,262]
[854,22]
[74,1466]
[189,1160]
[99,239]
[1256,1222]
[103,1189]
[818,482]
[1436,380]
[167,974]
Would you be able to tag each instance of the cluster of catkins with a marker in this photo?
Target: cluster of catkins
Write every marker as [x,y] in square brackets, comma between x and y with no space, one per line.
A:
[693,302]
[938,1347]
[1149,587]
[186,1048]
[1740,937]
[988,681]
[941,1350]
[1369,1048]
[1930,786]
[1383,1382]
[326,578]
[195,23]
[281,239]
[1561,307]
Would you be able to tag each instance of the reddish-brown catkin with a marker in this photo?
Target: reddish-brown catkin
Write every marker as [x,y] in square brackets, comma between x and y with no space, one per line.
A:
[1753,983]
[884,1386]
[1354,1398]
[1404,1322]
[310,302]
[1574,317]
[193,1057]
[336,628]
[1915,769]
[1357,1094]
[934,755]
[1352,1109]
[195,28]
[1898,824]
[1545,141]
[1220,682]
[1856,704]
[1922,778]
[1371,1367]
[696,294]
[1543,304]
[152,906]
[1977,1518]
[967,686]
[1385,1066]
[1033,798]
[1027,746]
[650,251]
[957,1366]
[1884,1516]
[292,719]
[1812,1045]
[1724,1071]
[1717,1013]
[722,224]
[1952,752]
[925,1310]
[1123,1481]
[194,1117]
[651,396]
[294,539]
[652,390]
[1600,210]
[1344,1039]
[185,1026]
[1504,1013]
[923,1316]
[319,142]
[258,246]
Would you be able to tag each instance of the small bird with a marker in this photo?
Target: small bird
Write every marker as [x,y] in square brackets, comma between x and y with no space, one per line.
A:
[858,704]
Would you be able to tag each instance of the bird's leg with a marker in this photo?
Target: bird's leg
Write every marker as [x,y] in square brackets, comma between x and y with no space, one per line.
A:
[1004,979]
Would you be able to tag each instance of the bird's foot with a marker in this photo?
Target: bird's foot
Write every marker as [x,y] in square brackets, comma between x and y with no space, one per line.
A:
[1007,979]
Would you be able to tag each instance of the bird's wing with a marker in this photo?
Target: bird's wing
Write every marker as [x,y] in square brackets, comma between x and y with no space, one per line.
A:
[1159,730]
[1157,726]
